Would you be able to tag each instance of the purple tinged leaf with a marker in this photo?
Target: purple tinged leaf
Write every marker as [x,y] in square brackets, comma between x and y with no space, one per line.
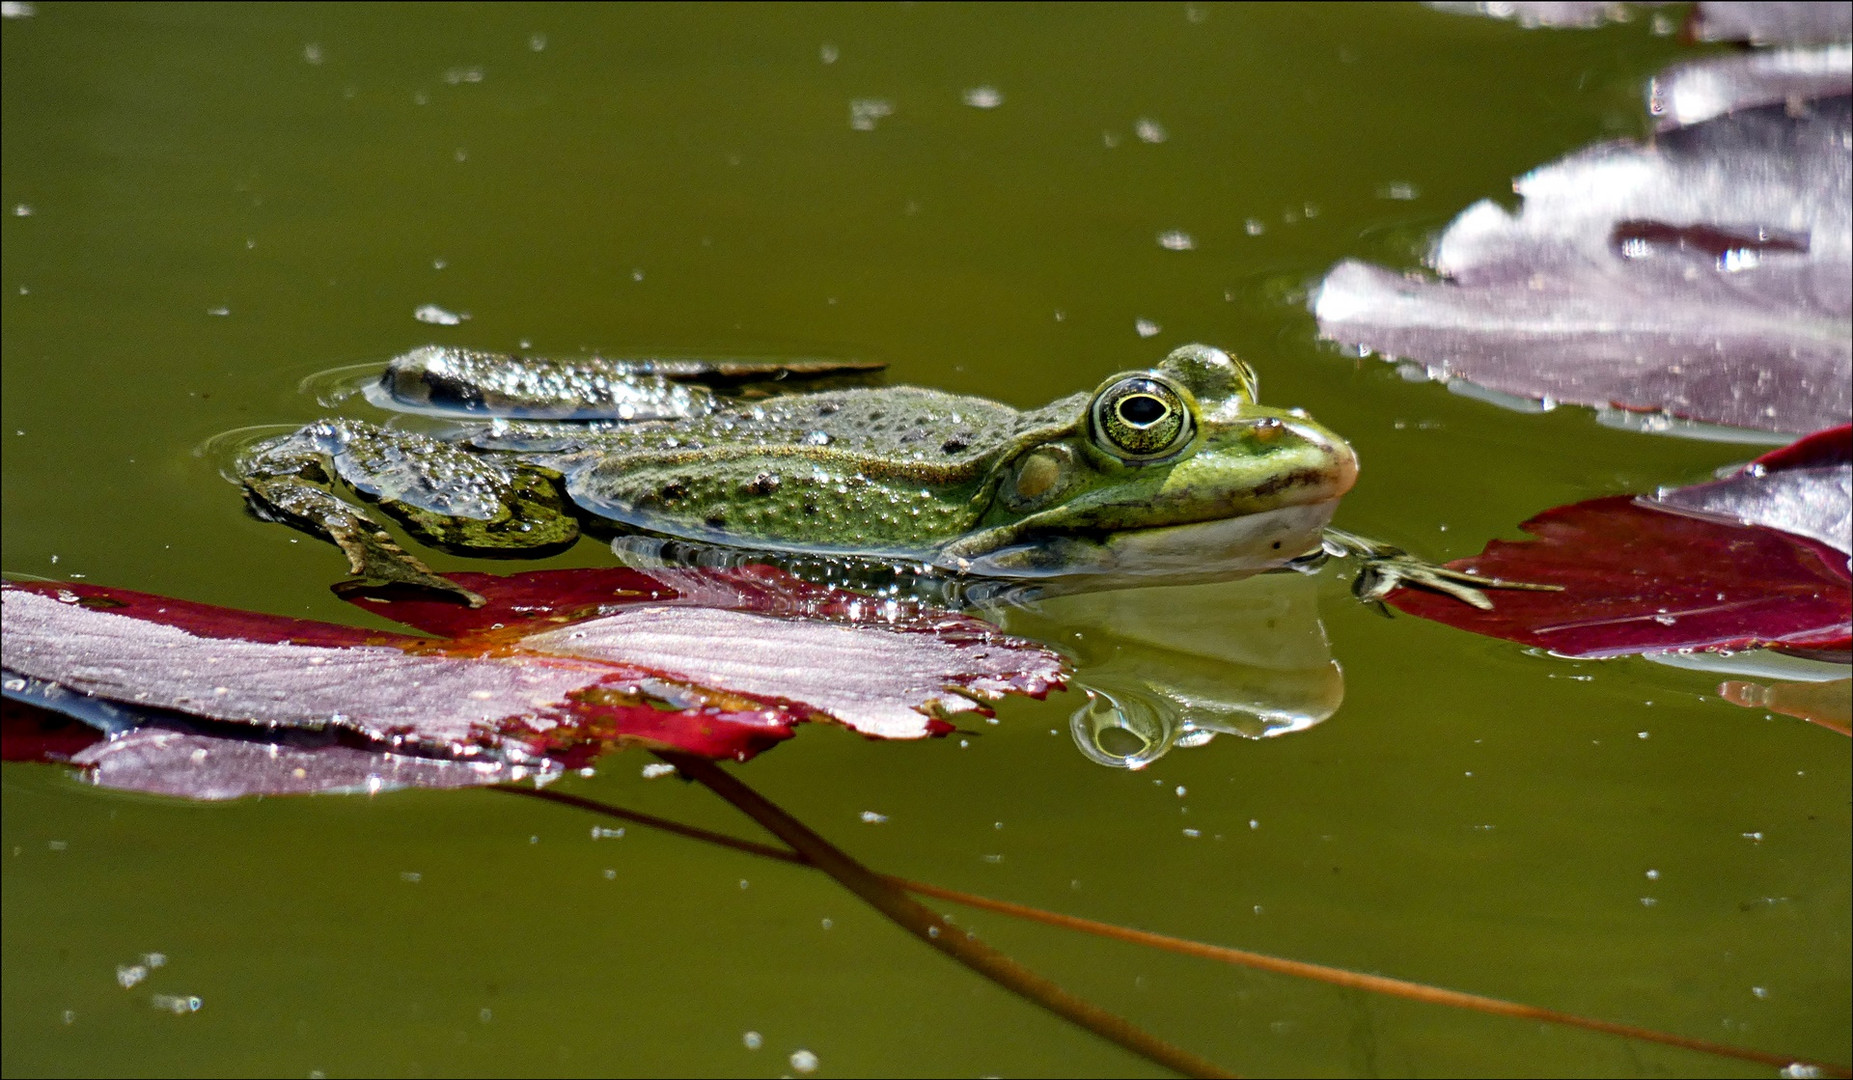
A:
[193,765]
[1771,22]
[1698,90]
[1805,489]
[1709,275]
[1693,568]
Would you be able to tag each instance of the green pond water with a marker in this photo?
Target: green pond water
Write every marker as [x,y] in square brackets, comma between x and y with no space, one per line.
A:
[206,205]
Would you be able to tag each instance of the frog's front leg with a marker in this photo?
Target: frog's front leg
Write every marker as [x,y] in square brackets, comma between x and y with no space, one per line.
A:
[1383,568]
[443,495]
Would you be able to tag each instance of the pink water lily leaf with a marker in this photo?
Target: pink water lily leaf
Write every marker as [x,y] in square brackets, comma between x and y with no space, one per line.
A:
[1708,275]
[559,666]
[1758,558]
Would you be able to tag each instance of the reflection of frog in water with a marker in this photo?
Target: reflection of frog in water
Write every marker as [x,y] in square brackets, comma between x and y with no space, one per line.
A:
[1165,473]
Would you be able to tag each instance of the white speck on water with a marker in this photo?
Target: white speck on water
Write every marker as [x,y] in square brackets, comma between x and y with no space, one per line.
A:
[827,52]
[1109,139]
[1194,14]
[1193,833]
[457,76]
[1648,901]
[22,210]
[1176,240]
[611,874]
[1641,734]
[312,53]
[1400,190]
[744,883]
[460,155]
[1254,226]
[484,1015]
[752,1040]
[1653,875]
[658,769]
[1253,824]
[637,274]
[1761,992]
[870,817]
[992,858]
[437,316]
[827,924]
[1753,837]
[176,1004]
[70,1016]
[984,97]
[220,311]
[997,824]
[439,264]
[1182,791]
[412,876]
[599,832]
[60,845]
[1149,130]
[419,97]
[537,41]
[864,113]
[803,1061]
[533,839]
[127,975]
[1146,327]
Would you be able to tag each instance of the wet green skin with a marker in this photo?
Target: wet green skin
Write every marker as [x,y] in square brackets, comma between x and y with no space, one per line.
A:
[959,482]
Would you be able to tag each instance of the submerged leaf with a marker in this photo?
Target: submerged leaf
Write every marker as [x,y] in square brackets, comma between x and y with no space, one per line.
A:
[1709,275]
[1691,568]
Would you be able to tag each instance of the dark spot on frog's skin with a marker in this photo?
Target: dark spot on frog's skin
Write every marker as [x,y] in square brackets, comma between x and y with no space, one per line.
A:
[827,408]
[716,520]
[763,484]
[1280,483]
[956,443]
[673,490]
[810,509]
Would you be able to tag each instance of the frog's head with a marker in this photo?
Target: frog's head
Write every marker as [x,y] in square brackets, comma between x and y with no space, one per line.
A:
[1168,472]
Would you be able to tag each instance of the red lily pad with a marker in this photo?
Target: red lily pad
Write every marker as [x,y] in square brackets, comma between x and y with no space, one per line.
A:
[559,666]
[1758,558]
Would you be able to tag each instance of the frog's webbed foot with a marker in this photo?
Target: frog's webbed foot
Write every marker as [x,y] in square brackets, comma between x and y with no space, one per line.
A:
[1383,568]
[372,554]
[442,494]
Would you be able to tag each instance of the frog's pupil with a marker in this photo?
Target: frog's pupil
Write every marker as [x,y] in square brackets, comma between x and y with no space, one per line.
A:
[1142,410]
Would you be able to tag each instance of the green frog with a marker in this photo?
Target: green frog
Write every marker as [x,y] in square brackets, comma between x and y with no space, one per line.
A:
[1168,473]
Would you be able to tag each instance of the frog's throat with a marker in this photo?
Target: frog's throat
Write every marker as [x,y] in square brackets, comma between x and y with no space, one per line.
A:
[1228,547]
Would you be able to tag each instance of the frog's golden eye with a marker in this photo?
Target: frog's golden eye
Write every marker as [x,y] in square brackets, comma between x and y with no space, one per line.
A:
[1140,417]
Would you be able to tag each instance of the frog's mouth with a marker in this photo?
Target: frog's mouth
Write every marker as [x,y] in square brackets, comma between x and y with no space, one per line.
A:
[1223,548]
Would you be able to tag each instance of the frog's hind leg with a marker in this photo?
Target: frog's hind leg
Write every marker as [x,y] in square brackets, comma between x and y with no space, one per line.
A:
[443,495]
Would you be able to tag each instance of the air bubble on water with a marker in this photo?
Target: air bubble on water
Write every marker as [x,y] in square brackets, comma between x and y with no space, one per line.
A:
[220,311]
[752,1040]
[70,1016]
[127,975]
[827,52]
[1193,833]
[744,883]
[658,769]
[611,874]
[411,876]
[828,923]
[312,53]
[984,97]
[1109,139]
[1399,190]
[1150,130]
[1176,240]
[599,832]
[1653,875]
[437,316]
[457,76]
[1254,227]
[1642,734]
[1761,992]
[22,210]
[1146,327]
[637,274]
[1753,837]
[176,1004]
[865,112]
[803,1061]
[537,41]
[870,817]
[1799,1070]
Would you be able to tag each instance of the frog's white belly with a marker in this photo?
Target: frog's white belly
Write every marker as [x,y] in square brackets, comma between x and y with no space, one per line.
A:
[1227,548]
